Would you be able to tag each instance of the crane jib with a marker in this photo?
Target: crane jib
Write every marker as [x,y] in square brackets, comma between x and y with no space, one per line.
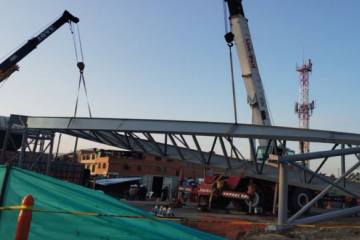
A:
[45,33]
[9,64]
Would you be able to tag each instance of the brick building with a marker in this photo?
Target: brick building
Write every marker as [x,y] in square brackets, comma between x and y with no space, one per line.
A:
[111,163]
[156,172]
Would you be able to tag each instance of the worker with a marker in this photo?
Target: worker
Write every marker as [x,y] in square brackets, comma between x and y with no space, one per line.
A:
[142,192]
[131,192]
[164,194]
[251,192]
[191,183]
[136,191]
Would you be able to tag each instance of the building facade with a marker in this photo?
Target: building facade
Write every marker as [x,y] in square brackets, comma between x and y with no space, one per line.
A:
[111,164]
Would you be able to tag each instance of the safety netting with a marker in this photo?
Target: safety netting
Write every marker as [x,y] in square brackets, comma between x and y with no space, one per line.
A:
[63,205]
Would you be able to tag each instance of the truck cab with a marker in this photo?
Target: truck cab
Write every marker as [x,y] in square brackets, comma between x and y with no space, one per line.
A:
[262,153]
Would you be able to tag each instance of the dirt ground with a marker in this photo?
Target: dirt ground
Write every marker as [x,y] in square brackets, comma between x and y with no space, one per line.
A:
[346,228]
[337,229]
[305,234]
[308,233]
[234,225]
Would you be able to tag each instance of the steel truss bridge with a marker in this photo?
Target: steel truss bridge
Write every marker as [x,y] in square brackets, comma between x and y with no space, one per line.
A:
[183,141]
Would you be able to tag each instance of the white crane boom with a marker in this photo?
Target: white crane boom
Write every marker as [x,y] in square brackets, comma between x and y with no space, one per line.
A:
[250,72]
[248,64]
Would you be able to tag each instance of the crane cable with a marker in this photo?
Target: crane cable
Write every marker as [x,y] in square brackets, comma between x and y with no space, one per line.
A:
[230,45]
[81,67]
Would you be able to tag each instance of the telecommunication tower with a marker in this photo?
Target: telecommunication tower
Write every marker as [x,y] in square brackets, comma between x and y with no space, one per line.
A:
[304,108]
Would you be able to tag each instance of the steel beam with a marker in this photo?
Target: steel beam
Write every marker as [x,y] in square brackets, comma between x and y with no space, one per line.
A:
[325,191]
[50,156]
[212,150]
[225,153]
[327,216]
[4,147]
[316,155]
[283,193]
[187,128]
[23,149]
[199,149]
[322,164]
[75,150]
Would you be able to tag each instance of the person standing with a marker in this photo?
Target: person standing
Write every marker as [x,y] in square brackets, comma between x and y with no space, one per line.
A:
[251,192]
[142,192]
[131,192]
[145,192]
[136,191]
[164,194]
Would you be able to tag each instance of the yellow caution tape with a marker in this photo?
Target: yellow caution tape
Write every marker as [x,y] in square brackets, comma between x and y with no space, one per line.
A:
[20,207]
[30,208]
[242,222]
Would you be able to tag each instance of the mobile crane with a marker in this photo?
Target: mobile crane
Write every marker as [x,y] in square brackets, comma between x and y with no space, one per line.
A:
[218,190]
[234,188]
[9,65]
[240,34]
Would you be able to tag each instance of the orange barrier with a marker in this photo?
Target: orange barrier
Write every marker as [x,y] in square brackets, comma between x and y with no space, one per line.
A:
[24,220]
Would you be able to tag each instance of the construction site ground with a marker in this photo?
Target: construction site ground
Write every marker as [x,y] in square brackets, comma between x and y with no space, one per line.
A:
[232,224]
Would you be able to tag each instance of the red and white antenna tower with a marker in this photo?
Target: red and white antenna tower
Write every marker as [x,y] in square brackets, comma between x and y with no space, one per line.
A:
[304,108]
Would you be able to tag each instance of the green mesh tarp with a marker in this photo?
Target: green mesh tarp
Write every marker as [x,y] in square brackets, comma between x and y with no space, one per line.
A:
[53,194]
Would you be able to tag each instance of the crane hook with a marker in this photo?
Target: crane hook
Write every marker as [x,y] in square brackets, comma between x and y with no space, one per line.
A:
[81,66]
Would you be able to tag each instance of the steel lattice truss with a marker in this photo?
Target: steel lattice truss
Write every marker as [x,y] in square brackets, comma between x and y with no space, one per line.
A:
[181,140]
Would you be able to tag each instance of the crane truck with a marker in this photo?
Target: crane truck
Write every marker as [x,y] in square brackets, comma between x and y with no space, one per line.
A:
[219,190]
[9,65]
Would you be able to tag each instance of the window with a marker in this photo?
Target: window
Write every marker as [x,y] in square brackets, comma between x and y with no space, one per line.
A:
[99,165]
[157,169]
[158,158]
[83,157]
[87,157]
[177,173]
[164,169]
[260,153]
[104,165]
[93,156]
[93,168]
[169,160]
[139,167]
[126,167]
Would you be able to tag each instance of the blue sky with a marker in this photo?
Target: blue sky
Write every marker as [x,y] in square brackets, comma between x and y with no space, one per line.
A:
[168,60]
